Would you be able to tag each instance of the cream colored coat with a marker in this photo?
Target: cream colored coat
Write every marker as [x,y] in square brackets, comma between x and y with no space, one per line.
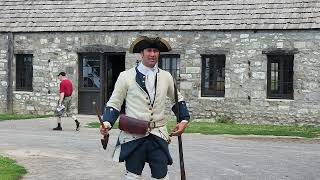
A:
[138,102]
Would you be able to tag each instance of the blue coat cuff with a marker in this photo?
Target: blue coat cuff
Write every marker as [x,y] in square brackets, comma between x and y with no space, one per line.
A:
[111,115]
[184,113]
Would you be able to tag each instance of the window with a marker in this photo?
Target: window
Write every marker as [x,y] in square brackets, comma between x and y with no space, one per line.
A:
[280,77]
[24,72]
[90,75]
[171,63]
[213,75]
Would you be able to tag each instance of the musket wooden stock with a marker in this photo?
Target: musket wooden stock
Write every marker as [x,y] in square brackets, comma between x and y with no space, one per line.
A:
[105,139]
[182,170]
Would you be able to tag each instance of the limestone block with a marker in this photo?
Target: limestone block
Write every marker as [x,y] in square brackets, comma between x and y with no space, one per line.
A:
[284,108]
[244,40]
[30,108]
[186,76]
[43,41]
[279,44]
[256,45]
[191,51]
[242,36]
[17,96]
[258,94]
[4,83]
[252,51]
[43,103]
[186,85]
[303,111]
[239,70]
[300,45]
[257,63]
[193,70]
[39,79]
[258,75]
[57,40]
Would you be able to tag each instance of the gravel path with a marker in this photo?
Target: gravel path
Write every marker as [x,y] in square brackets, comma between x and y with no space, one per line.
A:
[71,155]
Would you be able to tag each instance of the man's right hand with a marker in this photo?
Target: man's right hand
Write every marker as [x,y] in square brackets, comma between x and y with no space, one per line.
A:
[104,131]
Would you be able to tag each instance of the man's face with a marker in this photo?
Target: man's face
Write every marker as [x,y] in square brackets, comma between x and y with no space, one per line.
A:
[150,57]
[60,77]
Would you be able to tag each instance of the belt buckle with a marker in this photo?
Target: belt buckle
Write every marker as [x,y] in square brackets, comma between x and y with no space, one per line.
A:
[152,125]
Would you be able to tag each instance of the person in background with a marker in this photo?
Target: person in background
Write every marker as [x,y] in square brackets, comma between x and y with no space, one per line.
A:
[65,102]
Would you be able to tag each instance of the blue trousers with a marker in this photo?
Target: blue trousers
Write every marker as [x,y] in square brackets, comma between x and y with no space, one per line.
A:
[151,151]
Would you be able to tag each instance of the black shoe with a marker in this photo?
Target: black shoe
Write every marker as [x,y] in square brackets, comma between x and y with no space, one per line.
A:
[58,128]
[78,126]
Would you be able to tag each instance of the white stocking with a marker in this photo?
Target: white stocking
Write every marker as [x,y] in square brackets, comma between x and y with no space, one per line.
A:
[131,176]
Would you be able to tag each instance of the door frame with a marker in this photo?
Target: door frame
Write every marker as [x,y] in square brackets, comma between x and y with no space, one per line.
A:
[104,63]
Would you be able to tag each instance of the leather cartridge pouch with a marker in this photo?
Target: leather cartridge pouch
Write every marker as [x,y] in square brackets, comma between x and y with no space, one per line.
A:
[133,125]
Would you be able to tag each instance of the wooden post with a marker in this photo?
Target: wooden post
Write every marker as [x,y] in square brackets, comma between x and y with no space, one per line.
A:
[10,55]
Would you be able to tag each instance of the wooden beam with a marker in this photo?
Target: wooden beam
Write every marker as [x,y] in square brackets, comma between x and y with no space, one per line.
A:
[10,55]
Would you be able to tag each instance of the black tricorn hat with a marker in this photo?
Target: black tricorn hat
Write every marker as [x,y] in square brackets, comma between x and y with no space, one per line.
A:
[144,42]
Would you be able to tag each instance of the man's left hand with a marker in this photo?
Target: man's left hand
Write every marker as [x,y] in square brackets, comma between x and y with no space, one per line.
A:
[179,129]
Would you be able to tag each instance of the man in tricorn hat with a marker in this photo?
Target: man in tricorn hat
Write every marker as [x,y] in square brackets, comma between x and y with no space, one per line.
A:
[145,89]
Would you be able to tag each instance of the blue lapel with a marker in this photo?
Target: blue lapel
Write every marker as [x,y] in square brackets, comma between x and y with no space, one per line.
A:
[140,79]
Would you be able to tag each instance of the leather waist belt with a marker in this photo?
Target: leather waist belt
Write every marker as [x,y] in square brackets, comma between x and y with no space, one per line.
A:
[156,124]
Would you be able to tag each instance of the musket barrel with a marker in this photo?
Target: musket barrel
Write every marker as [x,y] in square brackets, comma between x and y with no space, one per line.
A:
[182,170]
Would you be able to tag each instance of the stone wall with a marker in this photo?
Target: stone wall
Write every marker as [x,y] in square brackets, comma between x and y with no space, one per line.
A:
[248,46]
[242,79]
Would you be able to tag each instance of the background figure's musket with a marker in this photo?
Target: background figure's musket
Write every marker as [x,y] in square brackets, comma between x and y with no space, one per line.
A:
[105,139]
[182,170]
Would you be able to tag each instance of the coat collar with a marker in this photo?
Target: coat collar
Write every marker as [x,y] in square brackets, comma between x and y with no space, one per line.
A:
[140,79]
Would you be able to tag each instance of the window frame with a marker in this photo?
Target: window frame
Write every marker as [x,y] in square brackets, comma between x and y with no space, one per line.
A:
[205,92]
[93,57]
[285,64]
[176,72]
[22,74]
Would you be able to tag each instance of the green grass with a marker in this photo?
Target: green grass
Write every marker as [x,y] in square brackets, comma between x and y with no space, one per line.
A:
[9,170]
[4,117]
[96,125]
[243,129]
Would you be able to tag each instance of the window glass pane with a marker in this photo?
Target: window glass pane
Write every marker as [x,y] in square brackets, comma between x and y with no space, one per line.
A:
[213,75]
[170,63]
[280,76]
[24,72]
[91,71]
[167,67]
[274,77]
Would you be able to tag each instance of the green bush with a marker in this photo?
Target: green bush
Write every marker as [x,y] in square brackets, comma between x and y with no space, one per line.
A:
[224,119]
